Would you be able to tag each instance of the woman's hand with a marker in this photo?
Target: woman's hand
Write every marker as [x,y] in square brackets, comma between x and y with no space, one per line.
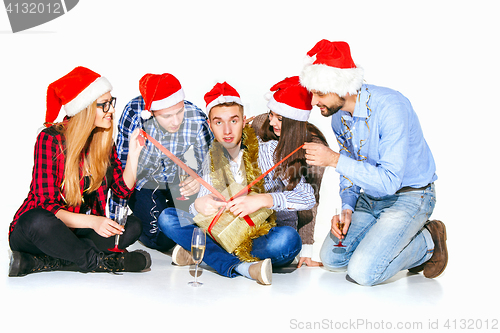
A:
[248,121]
[106,227]
[136,143]
[134,151]
[101,225]
[308,262]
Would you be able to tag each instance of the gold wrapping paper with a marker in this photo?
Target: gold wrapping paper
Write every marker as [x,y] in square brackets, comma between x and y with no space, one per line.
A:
[231,231]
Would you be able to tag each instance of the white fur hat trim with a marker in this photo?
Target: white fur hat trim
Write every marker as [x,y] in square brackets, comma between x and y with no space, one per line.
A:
[88,95]
[327,79]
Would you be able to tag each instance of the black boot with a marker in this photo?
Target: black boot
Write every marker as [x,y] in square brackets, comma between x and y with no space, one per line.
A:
[134,261]
[22,263]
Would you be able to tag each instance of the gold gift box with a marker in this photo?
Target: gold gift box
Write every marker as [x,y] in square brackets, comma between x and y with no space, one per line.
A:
[230,231]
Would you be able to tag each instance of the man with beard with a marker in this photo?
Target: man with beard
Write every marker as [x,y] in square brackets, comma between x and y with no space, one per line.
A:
[387,174]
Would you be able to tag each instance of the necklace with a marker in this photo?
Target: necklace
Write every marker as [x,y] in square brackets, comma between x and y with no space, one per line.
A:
[347,135]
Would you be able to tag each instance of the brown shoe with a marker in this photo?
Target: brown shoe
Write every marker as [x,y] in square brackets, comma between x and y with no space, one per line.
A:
[181,257]
[437,264]
[262,271]
[417,269]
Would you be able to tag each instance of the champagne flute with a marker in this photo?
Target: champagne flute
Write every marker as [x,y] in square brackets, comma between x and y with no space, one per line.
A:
[121,214]
[340,225]
[198,243]
[182,177]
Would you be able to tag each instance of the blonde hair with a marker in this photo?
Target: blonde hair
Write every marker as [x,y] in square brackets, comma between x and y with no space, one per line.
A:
[87,151]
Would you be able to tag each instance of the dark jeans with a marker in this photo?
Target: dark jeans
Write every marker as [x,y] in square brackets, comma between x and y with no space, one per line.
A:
[39,231]
[147,206]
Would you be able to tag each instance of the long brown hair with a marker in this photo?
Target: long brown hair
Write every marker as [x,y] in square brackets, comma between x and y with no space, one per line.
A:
[87,151]
[293,134]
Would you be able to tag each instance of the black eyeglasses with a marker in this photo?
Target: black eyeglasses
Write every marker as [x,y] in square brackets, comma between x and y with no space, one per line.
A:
[105,106]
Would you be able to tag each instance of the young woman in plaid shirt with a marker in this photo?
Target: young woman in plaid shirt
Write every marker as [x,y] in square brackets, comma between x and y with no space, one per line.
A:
[62,224]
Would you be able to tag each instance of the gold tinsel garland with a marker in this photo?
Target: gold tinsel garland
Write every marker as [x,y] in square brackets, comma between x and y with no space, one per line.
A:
[252,171]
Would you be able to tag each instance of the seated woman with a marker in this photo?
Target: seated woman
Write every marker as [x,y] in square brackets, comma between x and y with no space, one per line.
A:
[62,224]
[286,123]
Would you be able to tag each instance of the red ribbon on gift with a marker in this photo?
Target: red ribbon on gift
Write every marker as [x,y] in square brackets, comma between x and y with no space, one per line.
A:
[209,187]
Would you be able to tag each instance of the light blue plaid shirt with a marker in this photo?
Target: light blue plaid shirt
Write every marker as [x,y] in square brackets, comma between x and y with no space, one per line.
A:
[382,147]
[153,164]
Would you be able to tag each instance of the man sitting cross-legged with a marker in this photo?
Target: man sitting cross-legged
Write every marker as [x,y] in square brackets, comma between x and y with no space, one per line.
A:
[239,147]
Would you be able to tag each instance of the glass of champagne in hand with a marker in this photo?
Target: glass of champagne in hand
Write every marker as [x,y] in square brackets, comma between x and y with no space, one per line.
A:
[340,225]
[198,243]
[182,177]
[121,214]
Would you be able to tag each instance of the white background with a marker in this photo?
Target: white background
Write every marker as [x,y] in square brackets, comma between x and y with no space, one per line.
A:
[442,55]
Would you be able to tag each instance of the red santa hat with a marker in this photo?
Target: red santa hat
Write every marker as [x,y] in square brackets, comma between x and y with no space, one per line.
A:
[159,92]
[221,93]
[290,99]
[75,91]
[330,69]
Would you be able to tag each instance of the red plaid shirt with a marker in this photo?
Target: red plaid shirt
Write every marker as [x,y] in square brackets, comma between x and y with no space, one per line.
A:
[48,175]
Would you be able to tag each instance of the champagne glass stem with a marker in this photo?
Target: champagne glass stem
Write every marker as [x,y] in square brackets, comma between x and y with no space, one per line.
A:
[117,239]
[196,274]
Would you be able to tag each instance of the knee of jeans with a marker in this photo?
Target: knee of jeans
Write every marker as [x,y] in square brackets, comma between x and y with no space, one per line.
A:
[363,274]
[332,260]
[288,239]
[167,220]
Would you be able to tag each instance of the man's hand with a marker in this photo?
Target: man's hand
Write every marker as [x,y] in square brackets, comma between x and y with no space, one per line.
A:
[244,205]
[347,221]
[208,204]
[189,187]
[321,155]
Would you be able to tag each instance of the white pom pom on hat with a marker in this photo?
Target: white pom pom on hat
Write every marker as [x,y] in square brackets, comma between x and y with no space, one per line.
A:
[331,69]
[145,114]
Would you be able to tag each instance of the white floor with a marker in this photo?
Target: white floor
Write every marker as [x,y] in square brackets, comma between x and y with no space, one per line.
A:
[160,300]
[304,298]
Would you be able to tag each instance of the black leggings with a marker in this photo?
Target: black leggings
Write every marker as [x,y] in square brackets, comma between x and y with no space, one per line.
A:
[39,231]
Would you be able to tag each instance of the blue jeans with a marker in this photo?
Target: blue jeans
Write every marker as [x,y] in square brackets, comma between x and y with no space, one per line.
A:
[281,244]
[386,235]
